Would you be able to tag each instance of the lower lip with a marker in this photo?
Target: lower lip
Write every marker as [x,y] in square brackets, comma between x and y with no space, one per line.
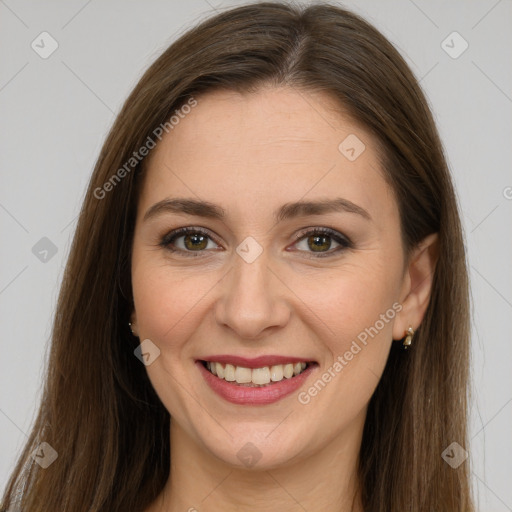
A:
[244,395]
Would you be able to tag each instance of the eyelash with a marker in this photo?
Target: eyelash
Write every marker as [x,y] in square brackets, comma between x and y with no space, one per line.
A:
[344,241]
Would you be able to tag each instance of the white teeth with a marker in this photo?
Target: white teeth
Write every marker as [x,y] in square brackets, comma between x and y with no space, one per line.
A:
[229,373]
[261,375]
[288,370]
[255,376]
[243,375]
[276,373]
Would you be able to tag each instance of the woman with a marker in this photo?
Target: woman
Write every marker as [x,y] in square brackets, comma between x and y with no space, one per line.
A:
[265,306]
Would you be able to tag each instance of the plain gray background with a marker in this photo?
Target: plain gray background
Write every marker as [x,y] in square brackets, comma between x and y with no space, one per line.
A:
[55,113]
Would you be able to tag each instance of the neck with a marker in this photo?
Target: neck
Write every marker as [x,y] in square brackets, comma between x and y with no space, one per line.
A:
[325,481]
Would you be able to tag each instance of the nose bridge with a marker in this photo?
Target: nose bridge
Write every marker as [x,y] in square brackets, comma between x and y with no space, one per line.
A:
[251,298]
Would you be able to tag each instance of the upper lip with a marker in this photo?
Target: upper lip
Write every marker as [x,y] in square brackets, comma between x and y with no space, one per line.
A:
[256,362]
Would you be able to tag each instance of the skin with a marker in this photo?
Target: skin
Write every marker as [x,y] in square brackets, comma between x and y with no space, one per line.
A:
[251,154]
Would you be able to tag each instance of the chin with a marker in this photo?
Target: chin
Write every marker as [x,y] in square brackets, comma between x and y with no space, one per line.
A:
[257,449]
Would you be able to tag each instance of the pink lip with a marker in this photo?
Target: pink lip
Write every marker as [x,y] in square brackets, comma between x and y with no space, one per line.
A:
[256,362]
[243,395]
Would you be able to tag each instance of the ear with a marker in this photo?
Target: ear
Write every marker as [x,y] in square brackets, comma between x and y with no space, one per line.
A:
[133,322]
[417,285]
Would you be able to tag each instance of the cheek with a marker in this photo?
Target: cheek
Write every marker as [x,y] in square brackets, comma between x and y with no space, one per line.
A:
[357,306]
[169,305]
[168,301]
[352,299]
[359,312]
[171,302]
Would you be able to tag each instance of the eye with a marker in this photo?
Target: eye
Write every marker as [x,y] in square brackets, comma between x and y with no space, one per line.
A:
[319,241]
[188,241]
[192,241]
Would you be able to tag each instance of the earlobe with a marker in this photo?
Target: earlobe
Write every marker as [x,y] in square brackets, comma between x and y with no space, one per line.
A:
[133,324]
[418,282]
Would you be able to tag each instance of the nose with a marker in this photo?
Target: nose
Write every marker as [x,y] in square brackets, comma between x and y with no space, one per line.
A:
[253,300]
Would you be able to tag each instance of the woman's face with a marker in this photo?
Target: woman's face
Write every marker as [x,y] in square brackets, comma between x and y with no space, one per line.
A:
[263,280]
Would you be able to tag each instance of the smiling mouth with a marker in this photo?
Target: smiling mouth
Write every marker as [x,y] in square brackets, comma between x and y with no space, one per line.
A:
[256,377]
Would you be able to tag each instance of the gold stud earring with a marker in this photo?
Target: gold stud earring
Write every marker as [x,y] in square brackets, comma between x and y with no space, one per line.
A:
[131,328]
[408,337]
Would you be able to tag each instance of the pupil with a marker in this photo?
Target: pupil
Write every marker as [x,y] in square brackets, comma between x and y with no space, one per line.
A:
[317,244]
[195,241]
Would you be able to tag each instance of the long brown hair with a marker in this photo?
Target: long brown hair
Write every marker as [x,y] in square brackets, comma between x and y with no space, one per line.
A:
[99,410]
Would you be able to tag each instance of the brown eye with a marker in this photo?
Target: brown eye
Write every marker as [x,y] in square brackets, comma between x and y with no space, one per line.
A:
[320,241]
[188,241]
[195,241]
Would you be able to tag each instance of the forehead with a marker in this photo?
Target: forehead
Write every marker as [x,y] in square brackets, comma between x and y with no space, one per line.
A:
[261,149]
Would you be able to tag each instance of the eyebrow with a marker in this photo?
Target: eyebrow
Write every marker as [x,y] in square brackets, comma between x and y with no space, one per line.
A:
[287,211]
